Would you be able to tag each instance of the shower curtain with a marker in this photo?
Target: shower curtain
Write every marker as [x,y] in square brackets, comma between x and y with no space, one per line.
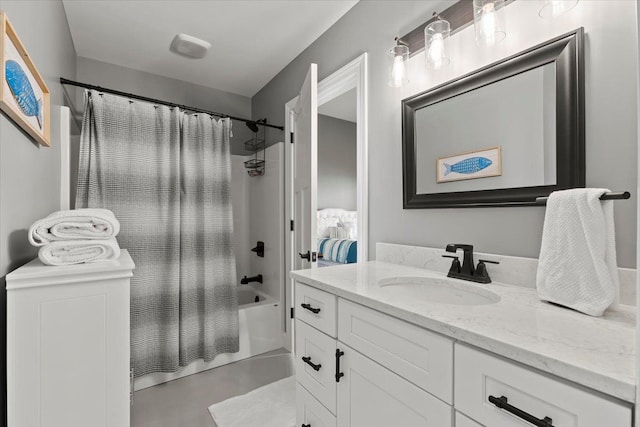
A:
[167,176]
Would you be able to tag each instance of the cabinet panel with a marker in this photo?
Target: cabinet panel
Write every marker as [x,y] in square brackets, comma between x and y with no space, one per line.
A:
[320,350]
[480,375]
[462,421]
[311,412]
[68,355]
[372,396]
[422,357]
[317,308]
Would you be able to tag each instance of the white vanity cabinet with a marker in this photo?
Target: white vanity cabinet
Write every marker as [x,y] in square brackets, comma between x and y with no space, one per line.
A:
[363,367]
[356,374]
[68,344]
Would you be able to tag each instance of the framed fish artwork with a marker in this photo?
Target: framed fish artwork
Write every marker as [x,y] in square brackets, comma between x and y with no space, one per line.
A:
[24,96]
[469,165]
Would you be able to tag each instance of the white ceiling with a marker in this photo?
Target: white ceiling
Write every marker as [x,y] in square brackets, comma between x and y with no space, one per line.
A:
[251,40]
[343,107]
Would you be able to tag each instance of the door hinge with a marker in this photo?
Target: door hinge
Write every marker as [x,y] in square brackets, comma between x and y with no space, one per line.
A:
[293,310]
[291,139]
[131,386]
[291,225]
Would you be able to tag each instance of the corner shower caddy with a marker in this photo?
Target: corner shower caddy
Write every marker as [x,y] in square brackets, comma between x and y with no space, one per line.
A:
[255,145]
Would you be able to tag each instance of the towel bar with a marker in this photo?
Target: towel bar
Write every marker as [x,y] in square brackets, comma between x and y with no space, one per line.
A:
[614,195]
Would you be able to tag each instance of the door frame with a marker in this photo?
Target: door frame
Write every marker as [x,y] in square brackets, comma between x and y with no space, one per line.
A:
[354,75]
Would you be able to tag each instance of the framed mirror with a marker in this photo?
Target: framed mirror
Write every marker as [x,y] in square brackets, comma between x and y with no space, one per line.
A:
[499,136]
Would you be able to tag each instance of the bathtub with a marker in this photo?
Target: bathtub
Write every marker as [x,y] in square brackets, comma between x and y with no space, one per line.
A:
[260,331]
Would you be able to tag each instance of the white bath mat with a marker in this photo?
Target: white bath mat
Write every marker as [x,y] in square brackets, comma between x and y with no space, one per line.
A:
[273,405]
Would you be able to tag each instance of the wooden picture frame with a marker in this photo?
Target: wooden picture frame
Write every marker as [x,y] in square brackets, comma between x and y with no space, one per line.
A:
[452,168]
[24,96]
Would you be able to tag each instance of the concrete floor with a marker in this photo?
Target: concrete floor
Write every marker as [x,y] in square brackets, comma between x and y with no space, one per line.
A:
[184,402]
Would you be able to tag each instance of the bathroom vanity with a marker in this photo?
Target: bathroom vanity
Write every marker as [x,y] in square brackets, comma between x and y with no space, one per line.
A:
[382,344]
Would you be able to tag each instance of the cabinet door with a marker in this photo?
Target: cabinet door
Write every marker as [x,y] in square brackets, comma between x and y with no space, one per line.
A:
[315,364]
[372,396]
[422,357]
[462,421]
[310,412]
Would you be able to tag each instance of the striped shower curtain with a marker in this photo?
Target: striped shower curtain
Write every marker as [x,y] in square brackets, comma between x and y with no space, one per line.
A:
[167,177]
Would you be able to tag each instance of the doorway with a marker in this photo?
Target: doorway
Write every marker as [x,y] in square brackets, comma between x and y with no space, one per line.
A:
[342,89]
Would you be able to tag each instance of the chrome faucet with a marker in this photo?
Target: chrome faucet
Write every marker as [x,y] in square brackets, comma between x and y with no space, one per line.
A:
[467,271]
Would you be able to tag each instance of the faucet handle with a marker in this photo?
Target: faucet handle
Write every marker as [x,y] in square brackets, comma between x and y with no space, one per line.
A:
[455,264]
[481,270]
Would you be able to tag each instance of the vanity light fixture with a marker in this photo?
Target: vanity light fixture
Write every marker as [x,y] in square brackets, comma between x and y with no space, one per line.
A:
[553,8]
[434,36]
[488,21]
[397,58]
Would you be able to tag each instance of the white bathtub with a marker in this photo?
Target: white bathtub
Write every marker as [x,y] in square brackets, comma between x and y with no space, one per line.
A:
[260,331]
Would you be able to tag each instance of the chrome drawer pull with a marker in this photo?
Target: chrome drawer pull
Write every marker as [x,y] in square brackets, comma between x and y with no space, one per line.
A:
[308,361]
[501,402]
[311,309]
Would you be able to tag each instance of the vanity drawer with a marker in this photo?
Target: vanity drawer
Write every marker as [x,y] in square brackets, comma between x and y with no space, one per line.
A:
[480,375]
[420,356]
[311,412]
[317,373]
[316,307]
[462,421]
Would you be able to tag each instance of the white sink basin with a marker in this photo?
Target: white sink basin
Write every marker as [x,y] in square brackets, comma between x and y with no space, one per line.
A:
[438,290]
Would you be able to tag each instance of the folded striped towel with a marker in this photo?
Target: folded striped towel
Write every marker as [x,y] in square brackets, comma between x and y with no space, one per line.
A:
[78,224]
[79,251]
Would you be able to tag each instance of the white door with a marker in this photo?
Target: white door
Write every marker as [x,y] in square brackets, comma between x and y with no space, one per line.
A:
[370,395]
[305,171]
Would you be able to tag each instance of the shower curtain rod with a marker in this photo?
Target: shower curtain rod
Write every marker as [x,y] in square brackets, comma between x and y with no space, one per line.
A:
[159,101]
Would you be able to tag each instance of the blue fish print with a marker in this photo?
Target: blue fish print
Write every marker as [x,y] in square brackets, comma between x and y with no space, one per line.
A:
[468,166]
[22,91]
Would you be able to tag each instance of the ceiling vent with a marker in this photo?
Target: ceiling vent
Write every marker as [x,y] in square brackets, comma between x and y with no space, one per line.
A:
[189,46]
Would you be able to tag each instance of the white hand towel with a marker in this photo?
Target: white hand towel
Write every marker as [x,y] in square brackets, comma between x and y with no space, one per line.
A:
[577,266]
[79,251]
[78,224]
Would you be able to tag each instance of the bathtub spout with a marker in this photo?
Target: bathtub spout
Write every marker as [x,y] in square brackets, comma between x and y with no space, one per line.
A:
[246,280]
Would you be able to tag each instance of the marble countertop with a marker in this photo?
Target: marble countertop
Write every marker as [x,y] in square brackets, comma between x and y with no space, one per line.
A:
[598,353]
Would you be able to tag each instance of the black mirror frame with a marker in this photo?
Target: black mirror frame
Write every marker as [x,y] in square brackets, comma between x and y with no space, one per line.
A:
[567,53]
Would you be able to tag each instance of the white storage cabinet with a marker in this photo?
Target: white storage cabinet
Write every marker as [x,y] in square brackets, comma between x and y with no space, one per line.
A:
[68,344]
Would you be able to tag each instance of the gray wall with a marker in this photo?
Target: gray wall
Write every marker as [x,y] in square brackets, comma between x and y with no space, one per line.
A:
[337,181]
[167,89]
[29,173]
[611,115]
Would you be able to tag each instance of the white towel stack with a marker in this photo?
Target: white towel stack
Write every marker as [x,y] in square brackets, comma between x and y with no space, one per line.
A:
[577,266]
[76,236]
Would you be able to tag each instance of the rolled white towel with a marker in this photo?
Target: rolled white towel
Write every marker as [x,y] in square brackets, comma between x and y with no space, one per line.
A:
[78,224]
[79,251]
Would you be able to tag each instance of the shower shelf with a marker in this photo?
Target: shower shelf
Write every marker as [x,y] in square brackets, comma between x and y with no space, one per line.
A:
[254,164]
[254,144]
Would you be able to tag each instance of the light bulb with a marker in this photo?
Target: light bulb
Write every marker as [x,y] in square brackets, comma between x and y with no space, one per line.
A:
[554,8]
[488,24]
[397,56]
[399,72]
[436,51]
[488,18]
